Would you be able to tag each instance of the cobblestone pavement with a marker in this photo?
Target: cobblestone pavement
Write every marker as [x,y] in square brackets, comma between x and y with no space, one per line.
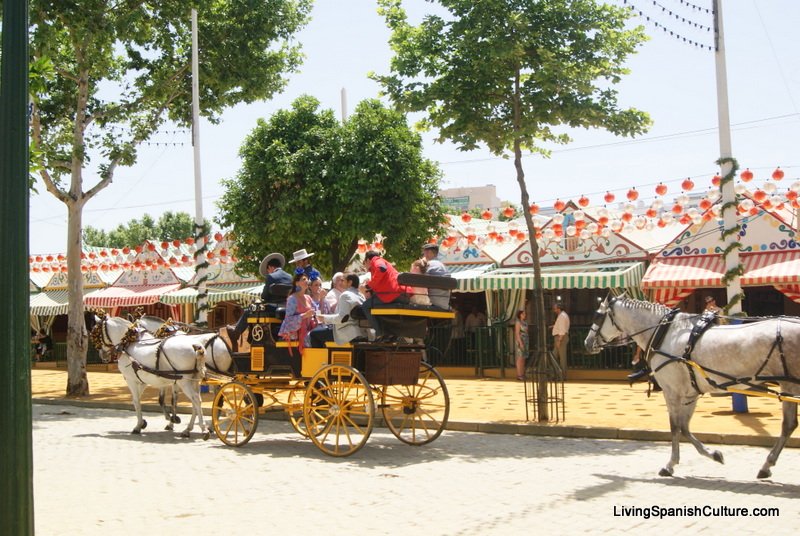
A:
[91,476]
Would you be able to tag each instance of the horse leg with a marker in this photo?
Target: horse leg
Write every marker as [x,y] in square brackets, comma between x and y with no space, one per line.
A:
[685,417]
[675,432]
[787,427]
[171,417]
[192,390]
[136,392]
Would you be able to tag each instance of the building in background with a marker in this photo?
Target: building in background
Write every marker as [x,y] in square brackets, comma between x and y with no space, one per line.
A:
[481,197]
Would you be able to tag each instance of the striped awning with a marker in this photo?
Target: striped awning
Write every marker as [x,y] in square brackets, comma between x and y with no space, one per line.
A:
[685,272]
[53,302]
[771,268]
[237,292]
[617,275]
[129,296]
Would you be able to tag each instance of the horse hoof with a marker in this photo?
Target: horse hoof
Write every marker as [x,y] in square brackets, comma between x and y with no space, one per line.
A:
[764,473]
[184,434]
[717,456]
[168,428]
[175,419]
[144,424]
[665,472]
[206,435]
[136,431]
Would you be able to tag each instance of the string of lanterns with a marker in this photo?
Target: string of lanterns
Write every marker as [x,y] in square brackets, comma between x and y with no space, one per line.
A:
[147,256]
[684,209]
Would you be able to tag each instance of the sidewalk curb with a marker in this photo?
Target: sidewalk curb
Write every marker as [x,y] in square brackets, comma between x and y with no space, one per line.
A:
[520,428]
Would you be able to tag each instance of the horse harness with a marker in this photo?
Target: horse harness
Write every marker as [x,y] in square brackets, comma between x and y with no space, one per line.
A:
[132,336]
[701,325]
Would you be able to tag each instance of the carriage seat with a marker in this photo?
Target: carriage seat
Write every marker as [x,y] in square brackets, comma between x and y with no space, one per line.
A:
[439,287]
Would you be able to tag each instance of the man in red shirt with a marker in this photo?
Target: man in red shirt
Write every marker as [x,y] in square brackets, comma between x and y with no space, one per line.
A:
[385,288]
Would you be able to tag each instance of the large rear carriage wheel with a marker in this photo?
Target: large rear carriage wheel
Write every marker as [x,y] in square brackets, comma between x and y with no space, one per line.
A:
[417,414]
[234,414]
[339,410]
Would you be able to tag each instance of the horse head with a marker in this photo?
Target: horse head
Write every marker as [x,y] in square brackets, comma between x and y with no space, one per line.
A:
[604,330]
[112,331]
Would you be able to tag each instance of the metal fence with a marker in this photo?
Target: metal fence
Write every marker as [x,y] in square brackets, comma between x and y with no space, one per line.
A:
[492,347]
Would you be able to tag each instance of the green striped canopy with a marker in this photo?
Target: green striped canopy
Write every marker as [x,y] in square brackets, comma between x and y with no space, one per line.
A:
[53,302]
[617,275]
[245,292]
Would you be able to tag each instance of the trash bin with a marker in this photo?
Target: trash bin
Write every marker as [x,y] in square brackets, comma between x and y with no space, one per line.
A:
[739,403]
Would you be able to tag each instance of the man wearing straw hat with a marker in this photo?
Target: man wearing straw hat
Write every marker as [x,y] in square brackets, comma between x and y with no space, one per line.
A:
[272,269]
[300,258]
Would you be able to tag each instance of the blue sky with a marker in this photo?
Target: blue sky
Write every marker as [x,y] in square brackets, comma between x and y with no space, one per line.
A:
[672,80]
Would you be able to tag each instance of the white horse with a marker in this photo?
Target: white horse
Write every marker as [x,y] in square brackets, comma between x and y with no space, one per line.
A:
[217,354]
[744,356]
[145,361]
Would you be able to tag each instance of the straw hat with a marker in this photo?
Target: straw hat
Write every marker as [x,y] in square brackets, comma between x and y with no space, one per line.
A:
[263,268]
[300,254]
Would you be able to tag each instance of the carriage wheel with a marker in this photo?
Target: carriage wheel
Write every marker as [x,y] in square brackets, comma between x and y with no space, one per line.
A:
[234,414]
[417,414]
[339,410]
[295,410]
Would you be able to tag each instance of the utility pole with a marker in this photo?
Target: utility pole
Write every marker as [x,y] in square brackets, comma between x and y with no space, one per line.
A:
[729,213]
[16,461]
[201,264]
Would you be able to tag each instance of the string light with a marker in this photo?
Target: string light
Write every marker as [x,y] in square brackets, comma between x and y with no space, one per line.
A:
[678,17]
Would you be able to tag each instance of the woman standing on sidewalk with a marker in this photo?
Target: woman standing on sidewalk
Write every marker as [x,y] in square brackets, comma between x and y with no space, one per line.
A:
[521,343]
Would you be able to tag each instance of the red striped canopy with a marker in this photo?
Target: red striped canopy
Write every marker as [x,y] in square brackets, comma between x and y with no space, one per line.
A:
[129,296]
[685,272]
[771,268]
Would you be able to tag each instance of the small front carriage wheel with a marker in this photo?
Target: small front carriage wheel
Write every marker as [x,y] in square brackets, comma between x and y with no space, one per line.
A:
[339,410]
[234,414]
[416,414]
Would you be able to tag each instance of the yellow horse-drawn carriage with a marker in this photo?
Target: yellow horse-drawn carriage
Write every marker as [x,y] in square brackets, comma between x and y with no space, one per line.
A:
[332,395]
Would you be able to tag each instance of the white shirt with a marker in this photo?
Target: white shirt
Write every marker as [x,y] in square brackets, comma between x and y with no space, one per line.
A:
[561,325]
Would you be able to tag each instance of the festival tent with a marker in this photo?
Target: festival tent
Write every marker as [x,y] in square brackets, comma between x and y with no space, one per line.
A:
[769,253]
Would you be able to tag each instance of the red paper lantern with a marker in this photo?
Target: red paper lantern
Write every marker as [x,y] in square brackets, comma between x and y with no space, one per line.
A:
[580,224]
[626,217]
[754,211]
[61,257]
[103,253]
[609,197]
[466,217]
[760,195]
[533,209]
[677,209]
[164,245]
[685,219]
[716,180]
[471,238]
[602,220]
[493,235]
[138,249]
[559,205]
[184,259]
[189,241]
[704,204]
[210,255]
[126,250]
[661,223]
[661,189]
[224,252]
[176,243]
[218,237]
[687,184]
[509,212]
[633,195]
[151,247]
[583,201]
[651,213]
[791,195]
[747,175]
[486,214]
[777,174]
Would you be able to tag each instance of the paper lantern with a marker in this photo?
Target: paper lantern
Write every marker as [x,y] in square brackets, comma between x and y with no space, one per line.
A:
[583,201]
[189,241]
[176,243]
[466,217]
[509,212]
[746,175]
[533,209]
[633,195]
[687,184]
[218,237]
[759,195]
[609,197]
[486,214]
[559,205]
[777,174]
[661,189]
[716,180]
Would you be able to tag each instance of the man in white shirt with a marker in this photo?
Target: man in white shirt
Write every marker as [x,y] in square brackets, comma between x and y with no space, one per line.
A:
[561,335]
[439,297]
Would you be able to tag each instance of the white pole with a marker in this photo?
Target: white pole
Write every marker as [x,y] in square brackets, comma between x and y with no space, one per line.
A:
[728,194]
[200,235]
[344,105]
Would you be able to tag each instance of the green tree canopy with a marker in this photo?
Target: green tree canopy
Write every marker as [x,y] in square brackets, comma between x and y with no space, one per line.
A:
[513,75]
[170,226]
[309,182]
[121,70]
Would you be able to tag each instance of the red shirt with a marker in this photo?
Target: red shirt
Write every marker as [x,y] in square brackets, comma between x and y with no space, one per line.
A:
[384,283]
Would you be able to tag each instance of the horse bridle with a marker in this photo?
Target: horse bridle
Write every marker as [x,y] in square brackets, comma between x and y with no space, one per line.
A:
[101,338]
[599,320]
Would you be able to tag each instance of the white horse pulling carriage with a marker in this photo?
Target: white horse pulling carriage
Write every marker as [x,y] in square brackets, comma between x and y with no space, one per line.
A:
[758,358]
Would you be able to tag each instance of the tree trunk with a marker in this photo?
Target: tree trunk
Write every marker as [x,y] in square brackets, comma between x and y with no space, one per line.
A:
[538,293]
[77,338]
